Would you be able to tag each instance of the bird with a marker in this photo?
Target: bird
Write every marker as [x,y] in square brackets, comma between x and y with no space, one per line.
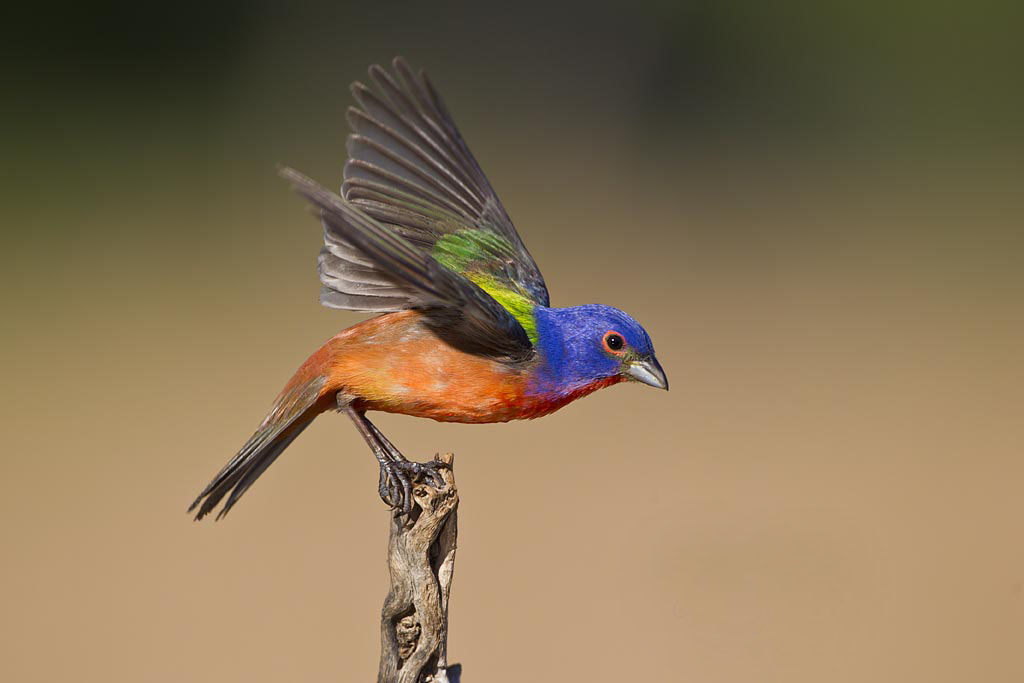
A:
[464,329]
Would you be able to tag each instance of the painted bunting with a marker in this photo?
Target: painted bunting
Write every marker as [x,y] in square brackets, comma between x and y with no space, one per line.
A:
[465,331]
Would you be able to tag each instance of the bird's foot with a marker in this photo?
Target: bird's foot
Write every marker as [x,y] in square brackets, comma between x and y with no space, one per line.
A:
[398,476]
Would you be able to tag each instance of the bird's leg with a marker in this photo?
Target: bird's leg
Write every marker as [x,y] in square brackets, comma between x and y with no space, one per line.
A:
[396,472]
[392,489]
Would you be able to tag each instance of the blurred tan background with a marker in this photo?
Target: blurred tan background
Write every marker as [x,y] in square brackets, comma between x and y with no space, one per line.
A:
[815,210]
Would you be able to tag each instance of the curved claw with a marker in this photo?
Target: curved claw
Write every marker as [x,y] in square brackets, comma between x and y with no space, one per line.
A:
[394,488]
[397,478]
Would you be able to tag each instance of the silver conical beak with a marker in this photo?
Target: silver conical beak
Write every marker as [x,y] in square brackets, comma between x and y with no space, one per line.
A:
[648,371]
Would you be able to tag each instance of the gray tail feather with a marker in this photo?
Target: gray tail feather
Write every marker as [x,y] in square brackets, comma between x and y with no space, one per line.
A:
[239,474]
[289,417]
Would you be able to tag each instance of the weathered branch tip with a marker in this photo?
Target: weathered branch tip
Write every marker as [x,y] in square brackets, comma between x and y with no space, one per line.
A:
[421,559]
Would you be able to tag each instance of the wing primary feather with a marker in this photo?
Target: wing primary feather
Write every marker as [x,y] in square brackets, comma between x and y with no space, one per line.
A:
[368,150]
[404,110]
[368,304]
[371,237]
[363,168]
[434,117]
[405,132]
[356,187]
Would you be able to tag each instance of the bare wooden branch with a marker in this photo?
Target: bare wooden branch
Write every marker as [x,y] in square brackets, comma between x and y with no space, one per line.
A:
[421,559]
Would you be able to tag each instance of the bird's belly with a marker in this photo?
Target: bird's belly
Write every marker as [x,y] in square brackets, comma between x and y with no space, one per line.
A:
[449,408]
[404,368]
[481,399]
[447,394]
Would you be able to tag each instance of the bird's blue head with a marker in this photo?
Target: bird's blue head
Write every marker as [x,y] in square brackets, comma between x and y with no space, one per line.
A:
[582,345]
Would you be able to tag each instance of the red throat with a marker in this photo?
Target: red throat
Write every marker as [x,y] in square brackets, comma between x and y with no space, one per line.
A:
[545,405]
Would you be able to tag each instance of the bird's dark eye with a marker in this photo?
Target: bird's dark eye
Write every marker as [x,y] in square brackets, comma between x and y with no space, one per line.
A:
[613,342]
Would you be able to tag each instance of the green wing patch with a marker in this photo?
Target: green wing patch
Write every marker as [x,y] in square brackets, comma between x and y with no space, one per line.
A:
[485,258]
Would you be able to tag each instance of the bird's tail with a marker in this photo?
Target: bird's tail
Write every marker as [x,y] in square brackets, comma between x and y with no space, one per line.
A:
[292,412]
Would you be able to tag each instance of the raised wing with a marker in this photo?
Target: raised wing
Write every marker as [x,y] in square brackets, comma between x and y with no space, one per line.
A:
[410,170]
[459,311]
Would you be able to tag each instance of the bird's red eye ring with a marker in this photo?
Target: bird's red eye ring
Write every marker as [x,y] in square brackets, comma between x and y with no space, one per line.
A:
[613,342]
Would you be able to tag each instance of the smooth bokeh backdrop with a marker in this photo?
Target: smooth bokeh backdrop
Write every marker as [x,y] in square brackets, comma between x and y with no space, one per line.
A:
[815,209]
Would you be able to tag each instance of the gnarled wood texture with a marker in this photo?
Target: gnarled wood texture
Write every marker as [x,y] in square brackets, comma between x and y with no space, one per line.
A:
[421,559]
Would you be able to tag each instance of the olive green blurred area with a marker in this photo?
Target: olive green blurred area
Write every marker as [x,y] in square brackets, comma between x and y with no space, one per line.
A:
[814,208]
